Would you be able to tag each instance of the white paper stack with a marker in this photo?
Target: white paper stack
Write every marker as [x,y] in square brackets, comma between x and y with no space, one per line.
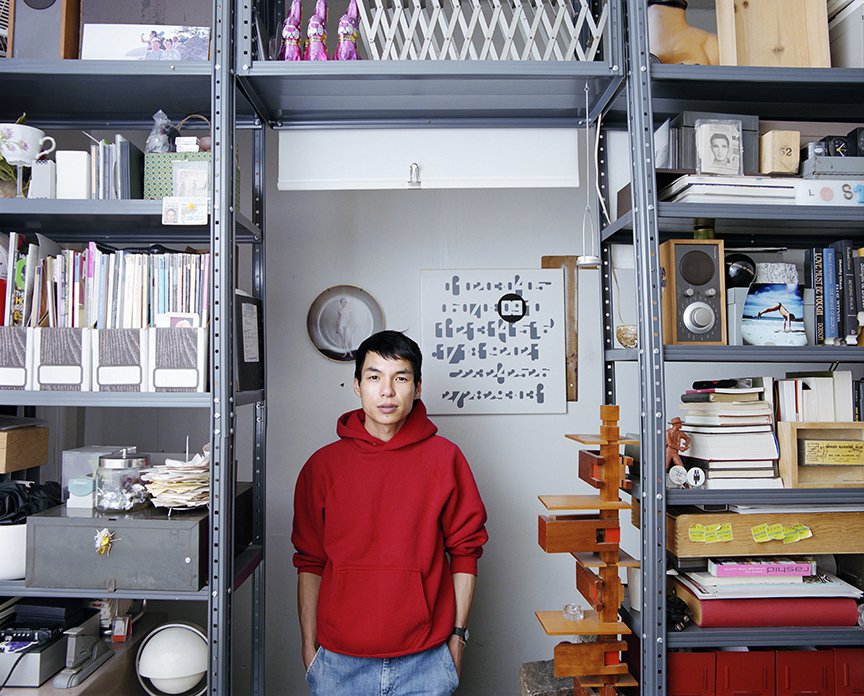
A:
[180,485]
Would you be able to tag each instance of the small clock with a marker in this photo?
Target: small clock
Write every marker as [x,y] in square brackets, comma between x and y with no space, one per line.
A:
[855,142]
[836,145]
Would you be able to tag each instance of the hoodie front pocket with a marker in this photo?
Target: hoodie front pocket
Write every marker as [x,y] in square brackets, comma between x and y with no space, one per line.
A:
[377,611]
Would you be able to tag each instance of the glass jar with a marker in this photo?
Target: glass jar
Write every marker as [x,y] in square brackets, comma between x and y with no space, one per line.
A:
[119,487]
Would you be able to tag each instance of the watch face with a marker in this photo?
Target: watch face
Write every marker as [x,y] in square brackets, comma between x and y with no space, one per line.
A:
[837,146]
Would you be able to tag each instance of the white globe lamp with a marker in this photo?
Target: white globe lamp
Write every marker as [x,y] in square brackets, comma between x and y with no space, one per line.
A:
[172,660]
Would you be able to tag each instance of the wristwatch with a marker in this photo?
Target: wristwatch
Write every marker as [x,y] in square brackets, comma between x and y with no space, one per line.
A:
[461,632]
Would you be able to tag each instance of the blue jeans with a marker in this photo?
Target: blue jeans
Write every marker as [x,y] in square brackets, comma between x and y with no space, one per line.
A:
[428,673]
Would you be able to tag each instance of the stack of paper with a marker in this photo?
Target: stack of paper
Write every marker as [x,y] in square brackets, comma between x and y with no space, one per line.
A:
[180,485]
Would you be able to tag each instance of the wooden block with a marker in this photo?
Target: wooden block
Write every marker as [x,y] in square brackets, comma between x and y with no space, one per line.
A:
[832,532]
[589,659]
[581,502]
[779,152]
[568,264]
[568,533]
[600,592]
[22,448]
[790,433]
[597,440]
[591,468]
[773,33]
[619,681]
[554,624]
[593,560]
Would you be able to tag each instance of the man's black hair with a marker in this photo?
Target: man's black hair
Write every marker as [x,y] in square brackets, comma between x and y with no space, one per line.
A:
[392,345]
[719,135]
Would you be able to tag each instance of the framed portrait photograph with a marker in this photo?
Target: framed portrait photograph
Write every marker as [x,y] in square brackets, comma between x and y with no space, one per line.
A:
[718,147]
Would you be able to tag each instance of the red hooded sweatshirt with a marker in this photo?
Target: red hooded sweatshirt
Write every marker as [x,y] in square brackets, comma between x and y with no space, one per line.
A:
[379,521]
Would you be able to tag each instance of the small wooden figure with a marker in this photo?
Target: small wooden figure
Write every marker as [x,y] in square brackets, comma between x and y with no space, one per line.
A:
[677,441]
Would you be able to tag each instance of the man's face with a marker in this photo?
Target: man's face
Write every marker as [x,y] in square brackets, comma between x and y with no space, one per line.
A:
[387,394]
[720,148]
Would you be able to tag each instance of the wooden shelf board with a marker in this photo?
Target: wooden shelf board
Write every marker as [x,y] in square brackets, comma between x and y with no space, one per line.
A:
[581,502]
[555,624]
[618,680]
[592,560]
[597,440]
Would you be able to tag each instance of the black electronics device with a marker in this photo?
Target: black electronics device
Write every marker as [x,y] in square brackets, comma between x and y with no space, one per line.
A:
[26,634]
[855,142]
[836,145]
[693,291]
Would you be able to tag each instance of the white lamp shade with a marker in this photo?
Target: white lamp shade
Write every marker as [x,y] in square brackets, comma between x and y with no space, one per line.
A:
[173,658]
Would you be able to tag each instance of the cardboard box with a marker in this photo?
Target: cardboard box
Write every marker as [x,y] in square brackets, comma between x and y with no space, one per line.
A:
[791,433]
[779,152]
[177,359]
[61,359]
[22,448]
[16,357]
[120,360]
[159,171]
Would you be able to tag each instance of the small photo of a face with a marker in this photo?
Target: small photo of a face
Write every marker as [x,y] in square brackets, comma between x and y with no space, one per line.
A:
[718,147]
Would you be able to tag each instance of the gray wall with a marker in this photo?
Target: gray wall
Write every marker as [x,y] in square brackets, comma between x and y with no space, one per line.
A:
[380,241]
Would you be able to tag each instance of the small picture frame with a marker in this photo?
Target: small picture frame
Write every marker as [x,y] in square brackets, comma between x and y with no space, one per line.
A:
[191,179]
[719,147]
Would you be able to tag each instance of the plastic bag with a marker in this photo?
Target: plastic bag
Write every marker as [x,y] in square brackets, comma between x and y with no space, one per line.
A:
[161,138]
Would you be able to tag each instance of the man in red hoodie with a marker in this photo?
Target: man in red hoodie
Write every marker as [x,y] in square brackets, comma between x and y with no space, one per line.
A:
[388,527]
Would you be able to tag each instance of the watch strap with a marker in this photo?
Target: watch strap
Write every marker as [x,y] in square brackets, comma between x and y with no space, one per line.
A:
[462,632]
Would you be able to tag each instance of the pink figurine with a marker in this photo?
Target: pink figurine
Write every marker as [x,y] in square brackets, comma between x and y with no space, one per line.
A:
[346,46]
[291,33]
[316,33]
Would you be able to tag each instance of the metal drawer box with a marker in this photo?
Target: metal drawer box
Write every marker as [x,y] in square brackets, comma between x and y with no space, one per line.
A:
[150,551]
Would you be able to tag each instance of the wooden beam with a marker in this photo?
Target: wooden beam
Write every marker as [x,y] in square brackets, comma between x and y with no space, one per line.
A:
[568,264]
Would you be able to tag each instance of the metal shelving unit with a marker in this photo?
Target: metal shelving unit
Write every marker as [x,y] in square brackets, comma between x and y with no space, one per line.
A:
[665,90]
[75,94]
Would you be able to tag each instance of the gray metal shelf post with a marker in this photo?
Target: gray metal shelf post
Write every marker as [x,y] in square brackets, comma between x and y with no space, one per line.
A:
[652,426]
[223,468]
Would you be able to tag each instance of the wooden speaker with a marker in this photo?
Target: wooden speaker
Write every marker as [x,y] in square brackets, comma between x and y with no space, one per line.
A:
[693,291]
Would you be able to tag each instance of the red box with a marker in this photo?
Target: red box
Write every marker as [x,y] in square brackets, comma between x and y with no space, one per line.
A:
[849,671]
[809,672]
[690,673]
[750,673]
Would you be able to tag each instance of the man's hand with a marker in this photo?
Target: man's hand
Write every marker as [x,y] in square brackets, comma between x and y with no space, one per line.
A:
[309,654]
[456,647]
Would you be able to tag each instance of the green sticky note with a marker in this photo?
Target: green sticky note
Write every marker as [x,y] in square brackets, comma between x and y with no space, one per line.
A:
[790,535]
[775,531]
[760,533]
[804,531]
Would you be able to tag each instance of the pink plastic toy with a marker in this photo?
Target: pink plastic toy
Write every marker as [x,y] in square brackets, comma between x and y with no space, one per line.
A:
[291,34]
[346,47]
[316,33]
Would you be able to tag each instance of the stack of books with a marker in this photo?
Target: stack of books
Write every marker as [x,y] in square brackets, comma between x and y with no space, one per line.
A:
[836,275]
[769,591]
[817,397]
[730,424]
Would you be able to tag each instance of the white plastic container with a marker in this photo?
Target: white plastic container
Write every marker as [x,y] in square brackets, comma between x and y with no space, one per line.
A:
[13,551]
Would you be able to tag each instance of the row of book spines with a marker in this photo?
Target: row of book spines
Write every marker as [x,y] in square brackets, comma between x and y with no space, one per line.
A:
[836,275]
[103,290]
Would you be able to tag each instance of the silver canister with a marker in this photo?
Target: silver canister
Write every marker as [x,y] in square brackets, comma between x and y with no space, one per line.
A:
[119,487]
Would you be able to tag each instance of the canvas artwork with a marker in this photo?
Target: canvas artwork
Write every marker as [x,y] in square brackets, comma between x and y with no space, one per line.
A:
[144,42]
